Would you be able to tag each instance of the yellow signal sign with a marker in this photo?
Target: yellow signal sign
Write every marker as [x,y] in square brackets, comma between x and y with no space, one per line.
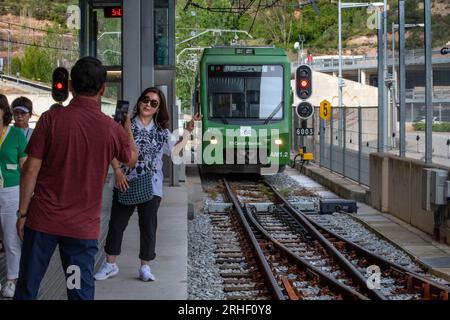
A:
[325,110]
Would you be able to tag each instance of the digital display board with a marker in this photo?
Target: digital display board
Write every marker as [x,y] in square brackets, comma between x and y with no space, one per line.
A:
[242,68]
[113,12]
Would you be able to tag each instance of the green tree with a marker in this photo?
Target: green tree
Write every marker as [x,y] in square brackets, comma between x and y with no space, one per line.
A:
[36,65]
[16,65]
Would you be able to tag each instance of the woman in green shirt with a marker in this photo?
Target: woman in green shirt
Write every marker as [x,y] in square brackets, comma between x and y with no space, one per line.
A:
[12,156]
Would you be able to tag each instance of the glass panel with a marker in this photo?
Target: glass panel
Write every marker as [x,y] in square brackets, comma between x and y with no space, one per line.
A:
[110,98]
[250,92]
[161,33]
[109,43]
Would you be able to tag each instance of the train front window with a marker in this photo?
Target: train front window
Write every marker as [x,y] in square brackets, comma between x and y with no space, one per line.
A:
[245,91]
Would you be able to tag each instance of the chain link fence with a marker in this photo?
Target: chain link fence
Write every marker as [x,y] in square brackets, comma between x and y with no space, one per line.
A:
[343,143]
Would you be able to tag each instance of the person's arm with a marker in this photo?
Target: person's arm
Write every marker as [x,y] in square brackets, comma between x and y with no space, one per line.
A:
[121,178]
[186,134]
[134,150]
[21,162]
[28,178]
[22,156]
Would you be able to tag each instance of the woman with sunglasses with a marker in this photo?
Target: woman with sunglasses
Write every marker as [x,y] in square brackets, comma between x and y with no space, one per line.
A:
[153,138]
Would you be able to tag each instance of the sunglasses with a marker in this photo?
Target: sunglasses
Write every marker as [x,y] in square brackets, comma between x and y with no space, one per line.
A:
[153,103]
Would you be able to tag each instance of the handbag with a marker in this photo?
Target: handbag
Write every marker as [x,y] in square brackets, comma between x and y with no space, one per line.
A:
[139,190]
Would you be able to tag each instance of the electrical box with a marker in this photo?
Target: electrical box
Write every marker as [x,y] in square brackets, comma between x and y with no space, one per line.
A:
[328,206]
[434,182]
[447,190]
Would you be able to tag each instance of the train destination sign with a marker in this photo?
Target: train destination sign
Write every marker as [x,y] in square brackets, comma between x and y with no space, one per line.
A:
[244,68]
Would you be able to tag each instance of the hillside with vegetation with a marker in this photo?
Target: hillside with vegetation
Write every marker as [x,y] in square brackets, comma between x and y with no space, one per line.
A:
[41,40]
[282,23]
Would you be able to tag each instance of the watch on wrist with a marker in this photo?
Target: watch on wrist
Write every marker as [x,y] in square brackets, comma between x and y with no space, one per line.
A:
[20,215]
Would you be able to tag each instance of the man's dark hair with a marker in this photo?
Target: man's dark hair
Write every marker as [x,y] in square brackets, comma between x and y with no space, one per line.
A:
[88,76]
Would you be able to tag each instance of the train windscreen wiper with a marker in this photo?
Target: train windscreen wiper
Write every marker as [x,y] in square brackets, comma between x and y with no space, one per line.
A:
[224,120]
[274,112]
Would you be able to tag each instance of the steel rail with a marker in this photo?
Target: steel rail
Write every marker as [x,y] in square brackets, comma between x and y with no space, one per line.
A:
[271,282]
[414,279]
[27,82]
[323,278]
[330,248]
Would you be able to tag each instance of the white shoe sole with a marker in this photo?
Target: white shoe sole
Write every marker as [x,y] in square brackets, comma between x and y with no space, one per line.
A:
[6,296]
[112,274]
[147,280]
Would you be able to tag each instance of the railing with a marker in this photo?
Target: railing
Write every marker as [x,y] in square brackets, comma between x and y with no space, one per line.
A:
[343,144]
[412,56]
[418,94]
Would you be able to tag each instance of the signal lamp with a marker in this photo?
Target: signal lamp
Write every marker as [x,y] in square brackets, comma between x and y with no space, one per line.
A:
[60,84]
[303,78]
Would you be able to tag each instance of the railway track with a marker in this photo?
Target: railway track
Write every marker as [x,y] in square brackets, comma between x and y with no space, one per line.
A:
[269,250]
[397,282]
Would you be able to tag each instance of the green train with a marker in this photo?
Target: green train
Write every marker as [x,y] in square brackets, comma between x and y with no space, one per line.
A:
[245,97]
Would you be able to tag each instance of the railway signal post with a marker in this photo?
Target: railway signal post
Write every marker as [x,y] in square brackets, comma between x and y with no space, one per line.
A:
[304,110]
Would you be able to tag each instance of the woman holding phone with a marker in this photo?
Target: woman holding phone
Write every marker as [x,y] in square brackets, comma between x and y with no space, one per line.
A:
[141,186]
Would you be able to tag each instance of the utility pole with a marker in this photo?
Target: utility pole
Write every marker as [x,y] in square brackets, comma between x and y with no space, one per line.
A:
[386,77]
[340,80]
[302,39]
[394,90]
[381,88]
[401,75]
[9,47]
[428,83]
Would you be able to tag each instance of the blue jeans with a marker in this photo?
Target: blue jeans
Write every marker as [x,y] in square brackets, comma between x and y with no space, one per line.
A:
[37,250]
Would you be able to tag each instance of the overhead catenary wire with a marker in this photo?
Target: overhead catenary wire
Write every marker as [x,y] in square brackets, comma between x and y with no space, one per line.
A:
[36,29]
[38,45]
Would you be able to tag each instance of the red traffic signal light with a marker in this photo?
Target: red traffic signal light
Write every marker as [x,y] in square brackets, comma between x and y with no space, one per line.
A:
[60,84]
[303,84]
[303,79]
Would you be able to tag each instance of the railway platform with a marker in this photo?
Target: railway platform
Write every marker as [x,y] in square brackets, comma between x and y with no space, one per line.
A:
[419,245]
[169,267]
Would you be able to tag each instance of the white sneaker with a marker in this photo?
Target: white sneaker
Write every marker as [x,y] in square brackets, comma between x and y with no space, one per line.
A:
[107,270]
[145,273]
[9,289]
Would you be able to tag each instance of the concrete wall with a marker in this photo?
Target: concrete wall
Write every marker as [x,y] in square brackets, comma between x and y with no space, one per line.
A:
[326,87]
[396,188]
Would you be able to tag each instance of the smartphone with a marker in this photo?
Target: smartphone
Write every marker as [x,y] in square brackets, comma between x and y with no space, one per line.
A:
[121,111]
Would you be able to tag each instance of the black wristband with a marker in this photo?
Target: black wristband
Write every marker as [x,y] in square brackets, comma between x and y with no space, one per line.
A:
[19,215]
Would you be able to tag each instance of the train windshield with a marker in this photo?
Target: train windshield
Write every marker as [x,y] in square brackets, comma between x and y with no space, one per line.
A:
[245,91]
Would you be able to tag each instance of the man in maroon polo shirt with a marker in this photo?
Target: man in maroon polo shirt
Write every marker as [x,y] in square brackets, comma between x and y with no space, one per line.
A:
[62,183]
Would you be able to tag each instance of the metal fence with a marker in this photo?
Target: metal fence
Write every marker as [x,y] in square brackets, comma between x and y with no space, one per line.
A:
[343,143]
[415,56]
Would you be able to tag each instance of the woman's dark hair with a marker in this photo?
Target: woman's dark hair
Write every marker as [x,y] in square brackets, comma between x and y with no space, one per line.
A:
[4,105]
[23,102]
[88,76]
[162,116]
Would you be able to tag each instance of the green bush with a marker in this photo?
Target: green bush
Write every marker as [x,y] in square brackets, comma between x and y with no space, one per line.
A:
[437,127]
[16,65]
[36,65]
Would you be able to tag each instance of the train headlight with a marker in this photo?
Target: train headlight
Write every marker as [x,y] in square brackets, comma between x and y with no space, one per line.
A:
[278,142]
[213,140]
